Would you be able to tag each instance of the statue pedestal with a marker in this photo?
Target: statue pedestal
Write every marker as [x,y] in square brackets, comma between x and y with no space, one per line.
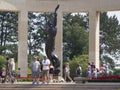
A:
[59,78]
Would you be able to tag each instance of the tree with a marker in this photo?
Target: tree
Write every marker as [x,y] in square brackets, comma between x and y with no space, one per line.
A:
[37,32]
[8,33]
[109,38]
[75,35]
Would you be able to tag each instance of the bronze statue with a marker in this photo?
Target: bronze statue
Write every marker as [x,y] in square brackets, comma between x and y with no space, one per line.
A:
[50,44]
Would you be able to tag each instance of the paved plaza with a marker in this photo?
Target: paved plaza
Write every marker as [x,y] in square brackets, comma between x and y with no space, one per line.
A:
[60,86]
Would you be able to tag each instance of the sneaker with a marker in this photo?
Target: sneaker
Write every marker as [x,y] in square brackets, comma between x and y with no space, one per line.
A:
[33,83]
[72,81]
[46,83]
[37,83]
[51,81]
[42,82]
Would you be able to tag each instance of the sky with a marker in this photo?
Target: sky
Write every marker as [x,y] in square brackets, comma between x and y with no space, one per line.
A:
[111,13]
[116,13]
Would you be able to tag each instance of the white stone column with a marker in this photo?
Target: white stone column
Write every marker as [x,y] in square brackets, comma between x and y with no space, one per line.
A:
[22,42]
[59,40]
[94,37]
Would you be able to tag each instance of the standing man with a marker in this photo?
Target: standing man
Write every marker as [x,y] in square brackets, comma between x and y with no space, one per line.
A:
[7,65]
[45,68]
[35,68]
[7,68]
[78,71]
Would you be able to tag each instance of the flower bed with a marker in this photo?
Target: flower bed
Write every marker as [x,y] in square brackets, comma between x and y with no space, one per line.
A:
[27,79]
[105,79]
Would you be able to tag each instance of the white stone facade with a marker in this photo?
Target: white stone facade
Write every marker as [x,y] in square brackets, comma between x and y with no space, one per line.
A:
[93,7]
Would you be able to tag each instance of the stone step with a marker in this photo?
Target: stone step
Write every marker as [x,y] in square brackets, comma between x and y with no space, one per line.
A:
[62,86]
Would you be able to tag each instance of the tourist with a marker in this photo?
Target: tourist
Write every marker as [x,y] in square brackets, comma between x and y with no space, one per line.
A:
[51,72]
[18,74]
[93,66]
[102,70]
[78,71]
[7,78]
[7,65]
[89,71]
[40,61]
[94,73]
[3,75]
[35,68]
[12,69]
[45,69]
[98,72]
[67,73]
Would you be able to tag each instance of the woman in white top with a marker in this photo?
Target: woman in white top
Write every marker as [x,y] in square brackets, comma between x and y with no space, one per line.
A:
[45,69]
[12,66]
[89,71]
[67,73]
[12,69]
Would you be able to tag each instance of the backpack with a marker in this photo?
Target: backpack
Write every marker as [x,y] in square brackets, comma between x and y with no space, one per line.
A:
[79,70]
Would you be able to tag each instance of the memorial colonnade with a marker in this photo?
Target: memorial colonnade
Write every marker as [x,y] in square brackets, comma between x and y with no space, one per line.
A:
[92,7]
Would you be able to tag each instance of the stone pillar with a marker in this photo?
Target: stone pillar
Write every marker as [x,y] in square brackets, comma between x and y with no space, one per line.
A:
[58,40]
[94,37]
[22,42]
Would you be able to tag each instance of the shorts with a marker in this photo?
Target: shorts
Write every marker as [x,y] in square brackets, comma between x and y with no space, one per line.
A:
[35,74]
[45,72]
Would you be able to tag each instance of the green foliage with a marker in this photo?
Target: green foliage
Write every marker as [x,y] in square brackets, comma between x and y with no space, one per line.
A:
[2,62]
[34,35]
[75,35]
[109,35]
[109,60]
[109,39]
[26,79]
[8,33]
[82,60]
[117,72]
[37,31]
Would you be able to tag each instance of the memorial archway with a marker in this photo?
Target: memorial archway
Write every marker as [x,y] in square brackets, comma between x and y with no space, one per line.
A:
[93,7]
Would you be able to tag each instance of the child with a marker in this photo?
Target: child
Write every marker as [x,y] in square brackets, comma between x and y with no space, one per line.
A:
[18,78]
[3,75]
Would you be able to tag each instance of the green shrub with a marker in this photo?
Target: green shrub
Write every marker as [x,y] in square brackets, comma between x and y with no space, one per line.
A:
[2,62]
[82,60]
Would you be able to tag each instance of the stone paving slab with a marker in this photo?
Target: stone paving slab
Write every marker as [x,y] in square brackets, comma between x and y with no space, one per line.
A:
[60,86]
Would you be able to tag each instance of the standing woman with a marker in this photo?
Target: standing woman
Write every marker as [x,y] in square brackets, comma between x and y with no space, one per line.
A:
[89,71]
[67,72]
[12,69]
[51,72]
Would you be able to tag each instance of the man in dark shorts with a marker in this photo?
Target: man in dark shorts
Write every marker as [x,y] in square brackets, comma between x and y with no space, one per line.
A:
[35,68]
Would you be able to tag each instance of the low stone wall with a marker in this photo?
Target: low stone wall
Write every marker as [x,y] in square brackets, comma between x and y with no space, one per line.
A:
[80,79]
[62,86]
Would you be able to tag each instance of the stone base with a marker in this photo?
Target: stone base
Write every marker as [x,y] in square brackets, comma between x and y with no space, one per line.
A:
[80,79]
[62,86]
[59,78]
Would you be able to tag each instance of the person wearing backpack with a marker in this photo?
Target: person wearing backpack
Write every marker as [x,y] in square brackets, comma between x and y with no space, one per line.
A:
[78,71]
